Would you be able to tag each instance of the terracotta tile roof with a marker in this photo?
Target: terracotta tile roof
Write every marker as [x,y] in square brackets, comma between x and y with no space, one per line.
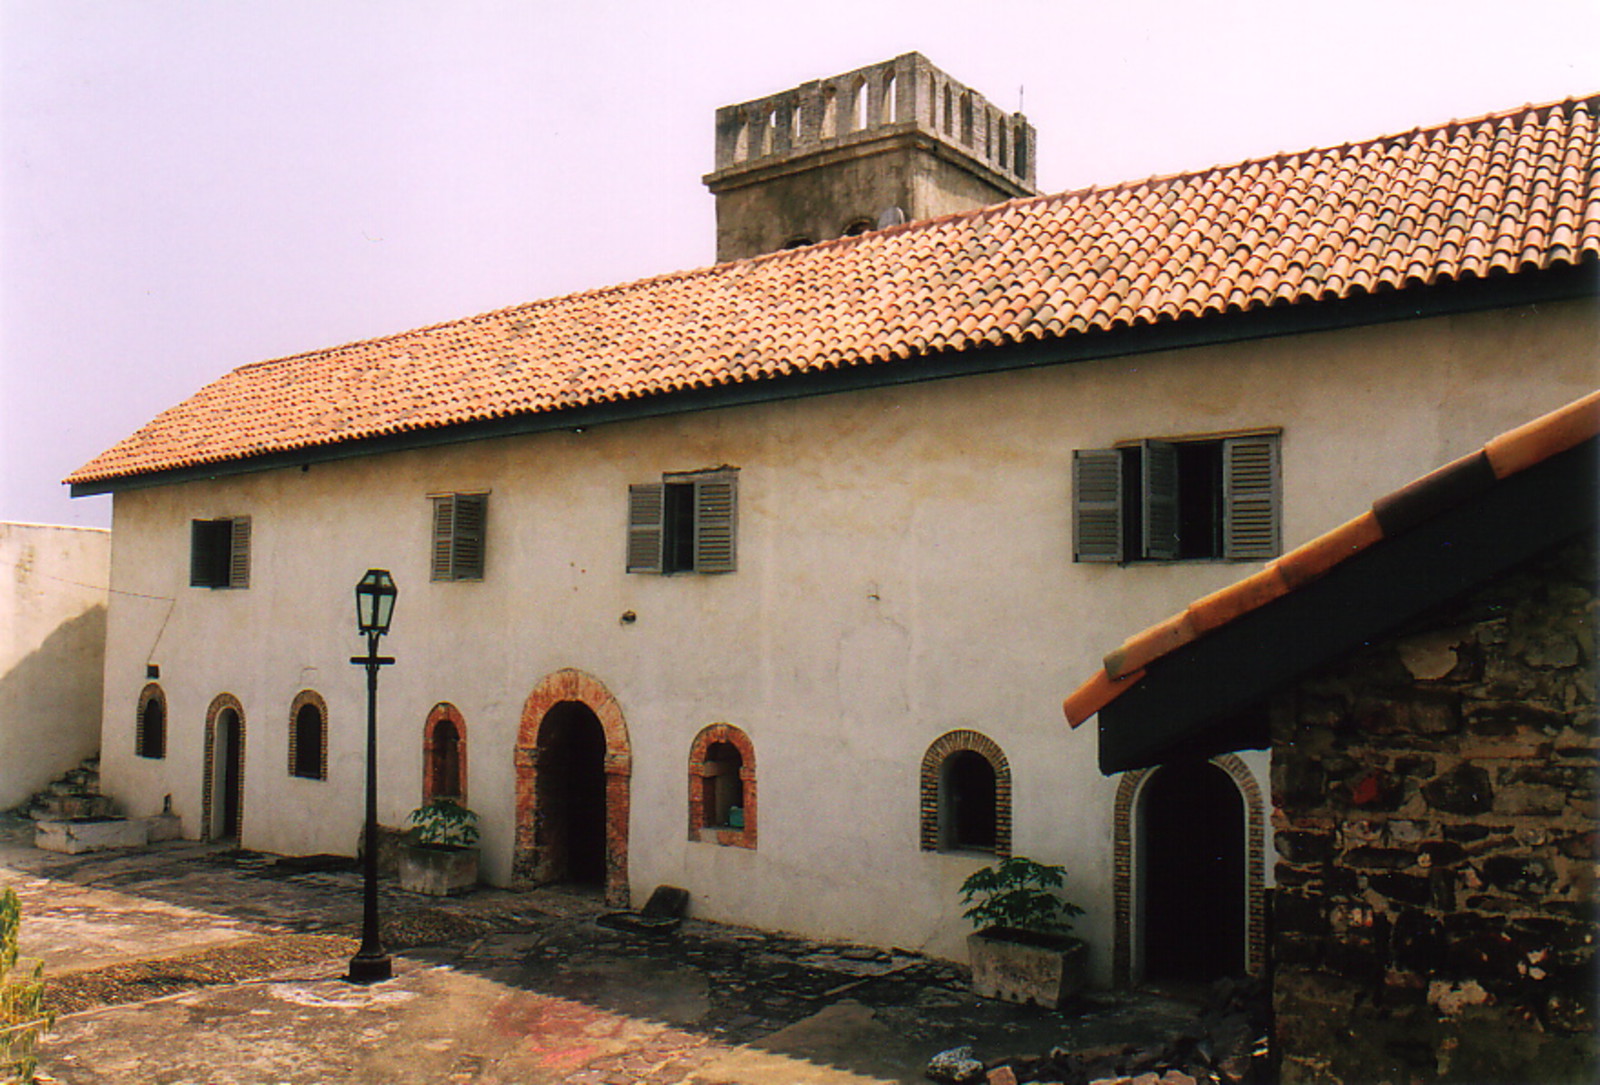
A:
[1390,515]
[1498,194]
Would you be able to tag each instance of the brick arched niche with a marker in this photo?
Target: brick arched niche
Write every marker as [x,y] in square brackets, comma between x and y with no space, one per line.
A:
[1125,863]
[150,725]
[935,797]
[444,754]
[704,773]
[534,861]
[222,775]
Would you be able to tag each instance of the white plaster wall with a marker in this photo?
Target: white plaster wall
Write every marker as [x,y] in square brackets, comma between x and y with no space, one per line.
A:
[904,569]
[52,649]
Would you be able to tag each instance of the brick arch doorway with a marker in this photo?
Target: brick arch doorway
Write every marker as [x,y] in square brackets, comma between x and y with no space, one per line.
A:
[573,767]
[222,775]
[1224,849]
[1193,874]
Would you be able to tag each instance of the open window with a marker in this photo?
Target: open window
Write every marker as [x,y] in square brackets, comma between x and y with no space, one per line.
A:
[444,753]
[722,787]
[1178,500]
[219,553]
[460,526]
[150,730]
[966,795]
[686,523]
[308,737]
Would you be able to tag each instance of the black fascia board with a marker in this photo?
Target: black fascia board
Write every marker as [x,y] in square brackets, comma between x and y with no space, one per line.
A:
[1498,291]
[1192,700]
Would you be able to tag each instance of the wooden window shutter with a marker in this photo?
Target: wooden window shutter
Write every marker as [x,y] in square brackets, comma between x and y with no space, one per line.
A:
[1158,497]
[468,539]
[1097,504]
[444,529]
[239,553]
[1250,497]
[715,510]
[646,513]
[199,551]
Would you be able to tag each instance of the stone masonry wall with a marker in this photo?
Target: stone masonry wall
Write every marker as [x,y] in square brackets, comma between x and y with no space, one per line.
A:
[1434,800]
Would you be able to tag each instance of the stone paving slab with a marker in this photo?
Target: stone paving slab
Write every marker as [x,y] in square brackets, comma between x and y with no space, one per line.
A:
[503,987]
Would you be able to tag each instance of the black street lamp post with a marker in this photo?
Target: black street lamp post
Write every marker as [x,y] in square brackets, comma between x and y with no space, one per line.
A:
[375,597]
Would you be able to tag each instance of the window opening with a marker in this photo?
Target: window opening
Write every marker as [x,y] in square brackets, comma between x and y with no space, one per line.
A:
[967,801]
[308,752]
[858,105]
[1177,500]
[685,523]
[798,243]
[150,739]
[1020,146]
[460,529]
[857,228]
[890,106]
[219,553]
[830,113]
[966,118]
[446,760]
[723,788]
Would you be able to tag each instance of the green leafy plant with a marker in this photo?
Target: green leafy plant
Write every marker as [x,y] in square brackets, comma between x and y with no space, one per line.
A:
[22,1014]
[445,823]
[1019,893]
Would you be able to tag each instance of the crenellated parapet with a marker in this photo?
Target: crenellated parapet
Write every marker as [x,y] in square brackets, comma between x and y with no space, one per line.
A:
[892,141]
[906,93]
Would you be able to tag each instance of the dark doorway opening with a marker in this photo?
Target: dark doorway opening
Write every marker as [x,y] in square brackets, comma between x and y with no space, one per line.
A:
[1193,874]
[570,795]
[229,774]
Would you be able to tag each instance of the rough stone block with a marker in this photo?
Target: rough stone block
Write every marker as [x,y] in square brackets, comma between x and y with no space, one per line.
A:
[1465,790]
[164,827]
[74,837]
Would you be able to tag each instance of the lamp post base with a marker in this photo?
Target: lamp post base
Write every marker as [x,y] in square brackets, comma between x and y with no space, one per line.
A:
[370,969]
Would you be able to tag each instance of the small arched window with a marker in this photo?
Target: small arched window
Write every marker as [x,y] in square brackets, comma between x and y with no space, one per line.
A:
[857,228]
[150,728]
[308,737]
[966,795]
[722,787]
[889,107]
[444,754]
[966,801]
[830,113]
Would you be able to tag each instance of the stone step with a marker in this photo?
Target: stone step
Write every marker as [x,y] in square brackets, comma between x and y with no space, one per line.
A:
[53,807]
[88,780]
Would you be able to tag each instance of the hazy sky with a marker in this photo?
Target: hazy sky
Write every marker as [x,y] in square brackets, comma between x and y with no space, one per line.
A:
[190,185]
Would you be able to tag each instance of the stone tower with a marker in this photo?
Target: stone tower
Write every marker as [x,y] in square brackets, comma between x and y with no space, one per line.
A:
[892,142]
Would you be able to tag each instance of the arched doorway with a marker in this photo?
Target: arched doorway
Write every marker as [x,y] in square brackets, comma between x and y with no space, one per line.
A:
[573,770]
[222,790]
[1192,874]
[570,796]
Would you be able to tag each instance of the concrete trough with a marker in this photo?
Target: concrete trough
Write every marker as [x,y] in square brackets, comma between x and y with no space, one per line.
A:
[74,836]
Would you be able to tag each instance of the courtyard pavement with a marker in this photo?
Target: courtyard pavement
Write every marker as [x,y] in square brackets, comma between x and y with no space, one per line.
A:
[195,964]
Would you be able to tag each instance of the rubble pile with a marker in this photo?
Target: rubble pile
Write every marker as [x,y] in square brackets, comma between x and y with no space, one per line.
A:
[1227,1046]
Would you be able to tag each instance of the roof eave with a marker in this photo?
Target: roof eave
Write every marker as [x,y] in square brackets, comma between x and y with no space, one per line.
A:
[1455,296]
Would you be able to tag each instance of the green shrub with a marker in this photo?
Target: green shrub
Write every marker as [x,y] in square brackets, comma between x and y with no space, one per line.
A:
[1019,893]
[22,1015]
[443,822]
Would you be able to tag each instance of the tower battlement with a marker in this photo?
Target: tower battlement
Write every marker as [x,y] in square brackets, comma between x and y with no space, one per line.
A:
[835,156]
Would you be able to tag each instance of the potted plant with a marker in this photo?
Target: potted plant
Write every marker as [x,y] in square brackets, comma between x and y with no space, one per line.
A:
[439,854]
[1023,950]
